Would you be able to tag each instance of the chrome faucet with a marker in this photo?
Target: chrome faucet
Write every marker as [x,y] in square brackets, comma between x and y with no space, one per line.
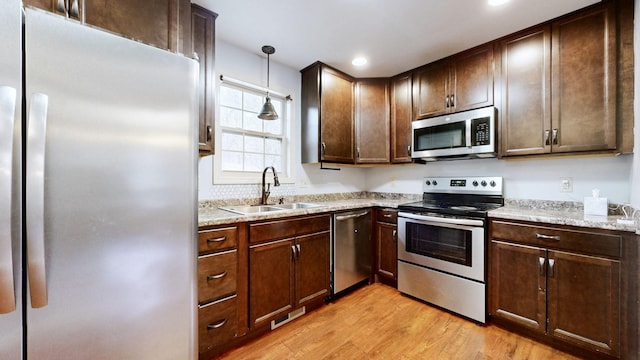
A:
[266,192]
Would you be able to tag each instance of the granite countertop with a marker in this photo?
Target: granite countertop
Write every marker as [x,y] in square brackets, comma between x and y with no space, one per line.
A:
[560,213]
[213,215]
[541,211]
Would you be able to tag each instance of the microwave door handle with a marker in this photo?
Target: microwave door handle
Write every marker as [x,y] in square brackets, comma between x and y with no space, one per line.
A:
[468,132]
[444,220]
[8,96]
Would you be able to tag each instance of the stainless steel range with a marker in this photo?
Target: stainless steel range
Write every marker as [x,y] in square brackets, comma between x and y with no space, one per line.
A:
[442,242]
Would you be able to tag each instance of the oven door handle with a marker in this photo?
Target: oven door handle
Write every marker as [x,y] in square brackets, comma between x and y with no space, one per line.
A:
[454,221]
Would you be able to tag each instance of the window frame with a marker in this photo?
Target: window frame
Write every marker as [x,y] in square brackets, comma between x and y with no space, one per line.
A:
[253,177]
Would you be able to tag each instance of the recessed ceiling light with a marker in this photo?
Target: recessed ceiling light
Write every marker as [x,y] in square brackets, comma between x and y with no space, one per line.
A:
[497,2]
[359,61]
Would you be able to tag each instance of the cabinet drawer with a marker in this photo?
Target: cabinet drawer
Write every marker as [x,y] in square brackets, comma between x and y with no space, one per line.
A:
[217,275]
[586,242]
[217,323]
[388,215]
[217,239]
[280,229]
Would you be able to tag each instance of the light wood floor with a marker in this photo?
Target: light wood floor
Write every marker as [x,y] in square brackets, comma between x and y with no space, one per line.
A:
[376,322]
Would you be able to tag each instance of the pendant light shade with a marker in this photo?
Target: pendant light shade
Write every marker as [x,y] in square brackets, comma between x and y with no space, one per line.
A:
[268,112]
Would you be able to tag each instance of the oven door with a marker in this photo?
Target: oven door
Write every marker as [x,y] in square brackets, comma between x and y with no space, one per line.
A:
[452,245]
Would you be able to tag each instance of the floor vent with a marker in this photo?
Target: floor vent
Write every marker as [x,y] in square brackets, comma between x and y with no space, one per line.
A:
[289,317]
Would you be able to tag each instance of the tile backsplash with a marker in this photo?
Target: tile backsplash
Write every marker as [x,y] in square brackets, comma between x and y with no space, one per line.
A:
[247,191]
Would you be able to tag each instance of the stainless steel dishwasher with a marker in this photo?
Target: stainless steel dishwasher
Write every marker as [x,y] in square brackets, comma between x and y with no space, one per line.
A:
[351,242]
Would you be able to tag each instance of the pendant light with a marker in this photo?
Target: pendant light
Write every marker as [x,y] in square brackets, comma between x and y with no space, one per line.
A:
[268,112]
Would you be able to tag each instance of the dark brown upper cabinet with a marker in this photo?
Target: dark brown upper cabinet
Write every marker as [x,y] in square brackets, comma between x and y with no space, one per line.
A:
[558,86]
[328,128]
[525,110]
[461,82]
[203,48]
[372,121]
[401,117]
[583,81]
[161,23]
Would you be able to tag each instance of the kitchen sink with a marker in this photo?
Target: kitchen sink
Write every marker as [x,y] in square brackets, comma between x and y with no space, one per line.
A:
[297,206]
[250,209]
[258,209]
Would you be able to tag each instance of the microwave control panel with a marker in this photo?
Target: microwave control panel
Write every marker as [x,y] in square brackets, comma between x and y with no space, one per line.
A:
[480,131]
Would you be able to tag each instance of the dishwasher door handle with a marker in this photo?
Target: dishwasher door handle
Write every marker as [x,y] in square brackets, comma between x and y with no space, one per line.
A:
[351,216]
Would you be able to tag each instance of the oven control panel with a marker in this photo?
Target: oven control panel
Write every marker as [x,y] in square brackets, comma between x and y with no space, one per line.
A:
[488,185]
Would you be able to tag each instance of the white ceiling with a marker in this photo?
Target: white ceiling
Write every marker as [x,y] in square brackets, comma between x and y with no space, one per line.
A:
[395,35]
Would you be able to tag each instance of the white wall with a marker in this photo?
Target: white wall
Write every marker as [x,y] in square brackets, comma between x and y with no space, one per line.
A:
[523,179]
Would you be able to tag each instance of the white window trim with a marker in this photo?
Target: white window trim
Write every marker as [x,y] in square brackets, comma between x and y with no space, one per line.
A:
[239,177]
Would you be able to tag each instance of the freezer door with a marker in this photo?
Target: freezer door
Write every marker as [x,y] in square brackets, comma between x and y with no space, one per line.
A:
[114,273]
[10,180]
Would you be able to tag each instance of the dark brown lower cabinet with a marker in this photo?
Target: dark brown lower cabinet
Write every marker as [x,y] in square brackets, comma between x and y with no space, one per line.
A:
[563,286]
[289,272]
[222,282]
[271,280]
[386,238]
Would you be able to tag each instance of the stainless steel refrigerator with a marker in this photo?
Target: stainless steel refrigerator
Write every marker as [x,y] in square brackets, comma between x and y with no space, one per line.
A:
[98,193]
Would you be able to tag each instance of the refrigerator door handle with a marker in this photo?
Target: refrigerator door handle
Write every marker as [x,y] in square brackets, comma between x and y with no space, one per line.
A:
[7,121]
[36,130]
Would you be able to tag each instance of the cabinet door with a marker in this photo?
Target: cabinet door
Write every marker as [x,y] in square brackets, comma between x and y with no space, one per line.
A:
[525,112]
[372,121]
[584,81]
[584,301]
[312,268]
[430,90]
[517,285]
[387,259]
[401,118]
[271,277]
[337,125]
[471,85]
[154,22]
[202,44]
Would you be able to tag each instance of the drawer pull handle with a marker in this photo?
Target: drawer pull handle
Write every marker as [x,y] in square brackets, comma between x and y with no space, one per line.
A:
[217,276]
[220,239]
[217,325]
[548,237]
[387,215]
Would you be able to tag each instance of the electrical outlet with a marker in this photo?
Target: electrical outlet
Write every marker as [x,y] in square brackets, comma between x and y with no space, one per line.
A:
[566,184]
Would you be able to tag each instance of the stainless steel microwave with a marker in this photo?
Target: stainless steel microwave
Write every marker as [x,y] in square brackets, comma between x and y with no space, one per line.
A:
[466,134]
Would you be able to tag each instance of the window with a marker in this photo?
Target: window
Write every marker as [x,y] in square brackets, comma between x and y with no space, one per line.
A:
[248,144]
